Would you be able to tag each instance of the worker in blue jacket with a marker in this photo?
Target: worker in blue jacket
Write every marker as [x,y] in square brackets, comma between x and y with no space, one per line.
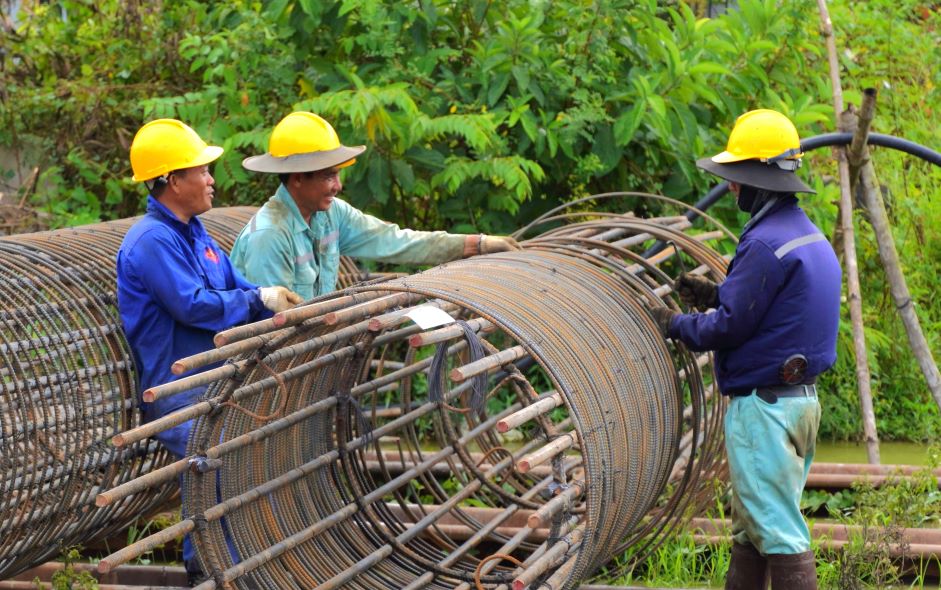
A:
[296,239]
[773,325]
[176,287]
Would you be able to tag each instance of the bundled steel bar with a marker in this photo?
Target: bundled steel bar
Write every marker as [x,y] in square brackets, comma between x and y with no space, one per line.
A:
[544,356]
[67,386]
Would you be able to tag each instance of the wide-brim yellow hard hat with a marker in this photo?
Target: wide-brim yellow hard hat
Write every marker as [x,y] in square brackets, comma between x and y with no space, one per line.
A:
[303,142]
[757,174]
[763,151]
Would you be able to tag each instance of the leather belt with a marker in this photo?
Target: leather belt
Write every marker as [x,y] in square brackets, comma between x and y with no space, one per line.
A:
[771,394]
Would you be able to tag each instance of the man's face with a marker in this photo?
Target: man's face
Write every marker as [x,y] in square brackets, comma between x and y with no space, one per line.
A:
[316,191]
[193,188]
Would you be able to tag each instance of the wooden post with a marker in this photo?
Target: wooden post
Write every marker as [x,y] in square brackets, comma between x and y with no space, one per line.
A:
[849,251]
[860,162]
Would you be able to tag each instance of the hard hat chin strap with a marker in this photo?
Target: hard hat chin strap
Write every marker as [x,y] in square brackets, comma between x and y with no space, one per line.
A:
[155,182]
[786,160]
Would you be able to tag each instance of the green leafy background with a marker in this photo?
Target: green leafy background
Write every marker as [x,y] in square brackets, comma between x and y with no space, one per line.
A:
[479,115]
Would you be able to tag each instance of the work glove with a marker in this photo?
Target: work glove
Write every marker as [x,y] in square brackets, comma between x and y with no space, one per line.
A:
[493,244]
[279,299]
[482,244]
[663,316]
[697,291]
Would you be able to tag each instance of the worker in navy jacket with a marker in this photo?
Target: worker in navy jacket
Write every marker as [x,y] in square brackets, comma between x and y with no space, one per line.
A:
[176,287]
[773,324]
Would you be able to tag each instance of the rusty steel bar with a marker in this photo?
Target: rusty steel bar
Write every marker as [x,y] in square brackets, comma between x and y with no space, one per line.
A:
[562,443]
[337,496]
[67,385]
[449,333]
[546,403]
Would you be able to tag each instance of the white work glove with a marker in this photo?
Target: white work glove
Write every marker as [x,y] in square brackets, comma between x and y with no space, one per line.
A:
[278,299]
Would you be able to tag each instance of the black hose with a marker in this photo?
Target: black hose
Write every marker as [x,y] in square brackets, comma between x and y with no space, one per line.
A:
[812,143]
[879,139]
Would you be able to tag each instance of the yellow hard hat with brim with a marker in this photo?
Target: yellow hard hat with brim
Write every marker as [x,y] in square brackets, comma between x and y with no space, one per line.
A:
[164,145]
[763,151]
[303,142]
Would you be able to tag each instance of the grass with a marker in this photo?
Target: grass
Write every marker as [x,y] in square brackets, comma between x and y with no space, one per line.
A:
[864,562]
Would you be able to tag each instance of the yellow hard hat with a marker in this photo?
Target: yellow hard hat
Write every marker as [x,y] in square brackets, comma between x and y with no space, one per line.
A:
[763,151]
[763,135]
[303,142]
[165,145]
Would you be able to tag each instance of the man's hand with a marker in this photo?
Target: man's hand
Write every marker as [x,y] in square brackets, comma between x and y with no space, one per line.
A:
[493,244]
[663,316]
[697,291]
[482,244]
[279,299]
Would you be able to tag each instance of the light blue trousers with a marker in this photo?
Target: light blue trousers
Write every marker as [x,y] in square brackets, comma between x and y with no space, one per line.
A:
[770,448]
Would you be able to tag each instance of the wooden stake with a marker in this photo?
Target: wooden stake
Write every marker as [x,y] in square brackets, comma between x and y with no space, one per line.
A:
[849,251]
[886,244]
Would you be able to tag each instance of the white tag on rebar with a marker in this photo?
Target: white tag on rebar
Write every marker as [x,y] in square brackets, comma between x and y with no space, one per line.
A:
[429,316]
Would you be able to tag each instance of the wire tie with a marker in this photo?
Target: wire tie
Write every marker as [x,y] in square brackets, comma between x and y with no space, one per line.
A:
[214,406]
[199,521]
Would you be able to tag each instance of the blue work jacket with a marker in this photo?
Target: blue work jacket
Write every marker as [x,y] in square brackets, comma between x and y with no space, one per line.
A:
[781,297]
[279,247]
[176,289]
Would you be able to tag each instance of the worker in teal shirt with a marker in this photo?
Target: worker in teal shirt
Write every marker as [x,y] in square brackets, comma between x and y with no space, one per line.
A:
[296,239]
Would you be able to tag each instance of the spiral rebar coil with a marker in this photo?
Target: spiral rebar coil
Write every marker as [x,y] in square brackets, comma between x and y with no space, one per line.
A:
[311,448]
[67,385]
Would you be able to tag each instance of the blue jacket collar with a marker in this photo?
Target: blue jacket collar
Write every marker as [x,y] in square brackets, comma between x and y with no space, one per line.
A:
[769,209]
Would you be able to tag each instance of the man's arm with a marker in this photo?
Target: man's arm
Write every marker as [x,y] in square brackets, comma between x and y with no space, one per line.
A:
[240,282]
[265,257]
[744,297]
[171,280]
[365,236]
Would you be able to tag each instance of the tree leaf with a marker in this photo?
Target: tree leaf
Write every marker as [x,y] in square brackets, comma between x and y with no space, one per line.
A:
[628,122]
[709,67]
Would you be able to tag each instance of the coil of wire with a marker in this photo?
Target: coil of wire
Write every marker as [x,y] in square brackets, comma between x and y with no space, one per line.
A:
[396,433]
[67,385]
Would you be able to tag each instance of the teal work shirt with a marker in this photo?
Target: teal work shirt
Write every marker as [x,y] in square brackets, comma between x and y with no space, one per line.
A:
[278,247]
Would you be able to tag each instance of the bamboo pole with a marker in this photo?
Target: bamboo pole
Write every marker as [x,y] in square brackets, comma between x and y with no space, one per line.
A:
[868,182]
[849,249]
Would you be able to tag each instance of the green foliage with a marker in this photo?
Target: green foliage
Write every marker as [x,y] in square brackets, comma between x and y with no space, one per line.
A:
[681,561]
[71,90]
[141,529]
[475,116]
[479,116]
[880,514]
[907,502]
[893,47]
[835,503]
[69,578]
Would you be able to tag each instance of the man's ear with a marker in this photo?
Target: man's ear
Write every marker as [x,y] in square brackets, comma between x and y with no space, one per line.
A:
[173,182]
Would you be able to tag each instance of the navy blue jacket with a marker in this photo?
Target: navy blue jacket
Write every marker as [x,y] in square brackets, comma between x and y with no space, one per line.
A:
[176,289]
[781,297]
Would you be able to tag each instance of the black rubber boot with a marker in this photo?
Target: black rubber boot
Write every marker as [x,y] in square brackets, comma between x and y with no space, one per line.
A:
[793,572]
[748,569]
[194,573]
